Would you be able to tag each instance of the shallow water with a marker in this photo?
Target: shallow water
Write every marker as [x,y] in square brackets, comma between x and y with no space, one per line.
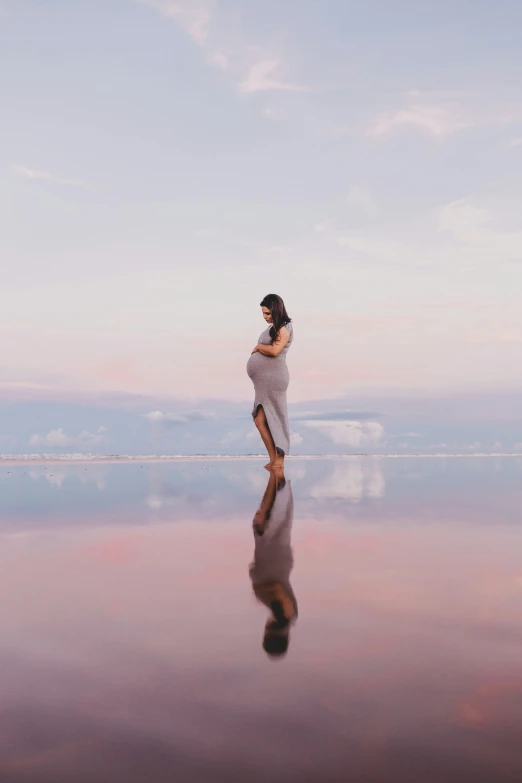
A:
[131,640]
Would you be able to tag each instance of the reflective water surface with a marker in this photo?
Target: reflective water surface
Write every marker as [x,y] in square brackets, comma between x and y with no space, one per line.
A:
[194,621]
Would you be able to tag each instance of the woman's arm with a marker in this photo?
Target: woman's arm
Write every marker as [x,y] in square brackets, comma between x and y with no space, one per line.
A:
[278,345]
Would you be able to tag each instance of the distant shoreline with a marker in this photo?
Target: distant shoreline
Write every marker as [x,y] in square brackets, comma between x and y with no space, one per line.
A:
[24,459]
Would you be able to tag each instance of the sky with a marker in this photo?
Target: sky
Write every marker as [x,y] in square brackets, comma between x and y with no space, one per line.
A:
[164,164]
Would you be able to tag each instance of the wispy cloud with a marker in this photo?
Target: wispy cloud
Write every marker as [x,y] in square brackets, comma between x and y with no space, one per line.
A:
[515,142]
[158,417]
[242,437]
[195,17]
[386,249]
[250,438]
[348,433]
[347,415]
[59,439]
[35,174]
[476,227]
[260,78]
[438,120]
[360,198]
[192,15]
[493,334]
[323,226]
[465,220]
[220,60]
[296,438]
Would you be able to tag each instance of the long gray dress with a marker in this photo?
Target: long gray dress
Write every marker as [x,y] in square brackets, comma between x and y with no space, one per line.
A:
[270,377]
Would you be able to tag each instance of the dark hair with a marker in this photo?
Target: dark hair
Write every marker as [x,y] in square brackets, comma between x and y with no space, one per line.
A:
[277,308]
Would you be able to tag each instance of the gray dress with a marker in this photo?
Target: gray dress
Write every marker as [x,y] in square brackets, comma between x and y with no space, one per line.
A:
[270,377]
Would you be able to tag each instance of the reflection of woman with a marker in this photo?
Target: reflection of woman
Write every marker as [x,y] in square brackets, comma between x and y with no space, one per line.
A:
[273,561]
[269,374]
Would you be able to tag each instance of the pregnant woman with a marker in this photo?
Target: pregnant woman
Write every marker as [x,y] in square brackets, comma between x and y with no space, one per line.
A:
[269,373]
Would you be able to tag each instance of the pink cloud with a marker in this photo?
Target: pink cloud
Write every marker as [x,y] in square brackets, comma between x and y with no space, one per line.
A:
[119,371]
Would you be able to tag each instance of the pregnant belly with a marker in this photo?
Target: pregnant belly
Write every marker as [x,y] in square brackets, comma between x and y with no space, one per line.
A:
[271,370]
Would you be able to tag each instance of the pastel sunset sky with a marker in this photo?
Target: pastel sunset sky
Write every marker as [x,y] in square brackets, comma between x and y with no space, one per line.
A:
[164,164]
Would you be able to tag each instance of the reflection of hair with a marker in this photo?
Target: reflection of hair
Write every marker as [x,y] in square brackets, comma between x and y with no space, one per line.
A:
[279,614]
[278,312]
[275,640]
[275,644]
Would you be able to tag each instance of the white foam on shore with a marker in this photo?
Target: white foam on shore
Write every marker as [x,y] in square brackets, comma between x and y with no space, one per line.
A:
[130,458]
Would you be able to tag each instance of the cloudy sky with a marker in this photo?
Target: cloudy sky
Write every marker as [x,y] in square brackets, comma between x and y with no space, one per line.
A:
[166,163]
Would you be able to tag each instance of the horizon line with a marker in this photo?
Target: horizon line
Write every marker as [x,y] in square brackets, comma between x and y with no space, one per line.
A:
[122,458]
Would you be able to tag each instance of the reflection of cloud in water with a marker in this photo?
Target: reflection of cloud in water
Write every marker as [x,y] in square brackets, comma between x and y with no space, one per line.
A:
[177,500]
[256,480]
[352,480]
[167,493]
[299,471]
[57,477]
[162,494]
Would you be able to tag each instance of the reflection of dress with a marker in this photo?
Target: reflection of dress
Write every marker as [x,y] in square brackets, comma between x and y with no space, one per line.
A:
[270,377]
[273,559]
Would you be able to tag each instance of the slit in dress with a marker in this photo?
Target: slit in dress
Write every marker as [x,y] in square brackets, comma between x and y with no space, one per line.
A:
[278,449]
